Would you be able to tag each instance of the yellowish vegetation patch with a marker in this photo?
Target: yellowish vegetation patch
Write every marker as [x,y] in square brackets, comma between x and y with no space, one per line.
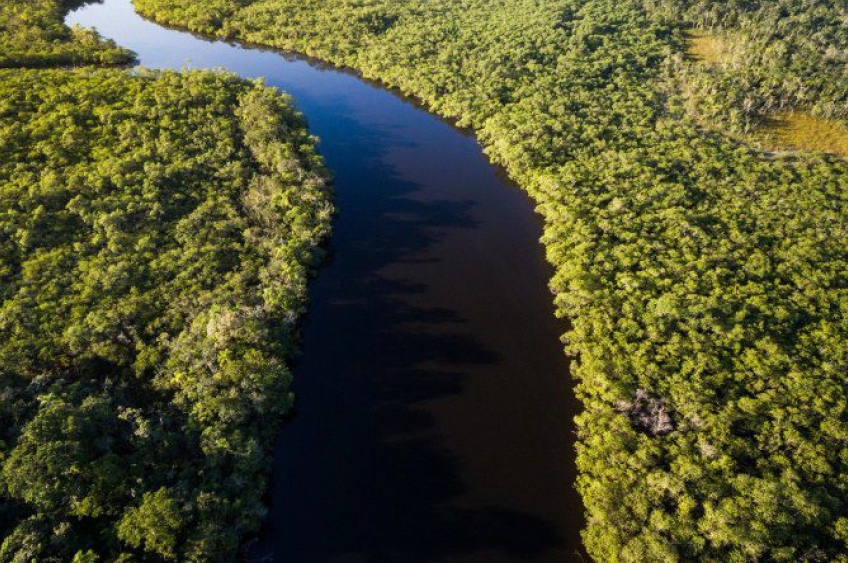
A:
[705,48]
[794,130]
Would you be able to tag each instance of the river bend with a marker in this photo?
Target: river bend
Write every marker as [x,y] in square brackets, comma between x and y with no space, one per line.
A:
[434,414]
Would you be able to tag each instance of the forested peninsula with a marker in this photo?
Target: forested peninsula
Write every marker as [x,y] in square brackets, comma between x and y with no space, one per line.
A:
[704,279]
[157,234]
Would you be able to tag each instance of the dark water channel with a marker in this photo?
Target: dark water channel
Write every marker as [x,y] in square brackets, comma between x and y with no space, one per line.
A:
[434,403]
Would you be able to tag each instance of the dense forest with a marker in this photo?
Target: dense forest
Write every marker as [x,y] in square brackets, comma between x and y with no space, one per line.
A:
[706,282]
[157,233]
[774,55]
[32,35]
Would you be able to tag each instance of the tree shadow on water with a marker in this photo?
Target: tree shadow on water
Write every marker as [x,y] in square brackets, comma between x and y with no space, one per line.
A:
[362,473]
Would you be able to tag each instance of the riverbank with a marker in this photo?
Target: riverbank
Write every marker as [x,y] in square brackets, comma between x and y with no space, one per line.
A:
[433,415]
[703,279]
[159,228]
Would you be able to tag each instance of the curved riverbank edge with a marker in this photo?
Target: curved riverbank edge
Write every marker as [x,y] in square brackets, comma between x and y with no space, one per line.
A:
[677,259]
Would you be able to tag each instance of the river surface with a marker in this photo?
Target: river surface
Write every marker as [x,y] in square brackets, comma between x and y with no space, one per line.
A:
[434,414]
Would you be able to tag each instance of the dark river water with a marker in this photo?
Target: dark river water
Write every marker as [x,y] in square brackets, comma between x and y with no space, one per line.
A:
[434,414]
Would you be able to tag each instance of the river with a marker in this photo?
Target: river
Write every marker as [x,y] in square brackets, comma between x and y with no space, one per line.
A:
[434,412]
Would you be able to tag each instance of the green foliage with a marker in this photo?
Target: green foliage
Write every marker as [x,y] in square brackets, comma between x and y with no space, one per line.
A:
[67,459]
[706,284]
[776,55]
[160,231]
[87,556]
[32,35]
[157,234]
[153,525]
[202,17]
